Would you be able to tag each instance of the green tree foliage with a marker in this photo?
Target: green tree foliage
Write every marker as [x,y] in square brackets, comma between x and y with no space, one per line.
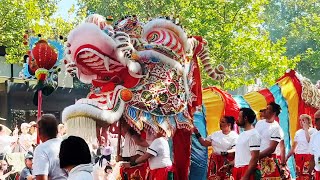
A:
[299,22]
[233,29]
[17,16]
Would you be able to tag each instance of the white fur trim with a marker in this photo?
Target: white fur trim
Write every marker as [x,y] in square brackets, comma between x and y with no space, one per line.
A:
[134,66]
[97,114]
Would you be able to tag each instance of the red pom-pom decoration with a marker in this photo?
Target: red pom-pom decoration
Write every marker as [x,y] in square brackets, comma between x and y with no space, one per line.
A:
[126,95]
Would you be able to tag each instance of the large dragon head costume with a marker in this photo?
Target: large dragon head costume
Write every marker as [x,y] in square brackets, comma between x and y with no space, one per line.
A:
[146,72]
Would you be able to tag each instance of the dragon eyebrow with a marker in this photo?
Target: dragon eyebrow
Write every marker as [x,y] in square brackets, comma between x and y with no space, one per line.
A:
[122,45]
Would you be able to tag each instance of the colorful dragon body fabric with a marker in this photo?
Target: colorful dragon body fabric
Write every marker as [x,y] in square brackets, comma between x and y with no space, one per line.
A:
[148,73]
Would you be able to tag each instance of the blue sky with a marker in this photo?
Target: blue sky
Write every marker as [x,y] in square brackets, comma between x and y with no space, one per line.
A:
[64,6]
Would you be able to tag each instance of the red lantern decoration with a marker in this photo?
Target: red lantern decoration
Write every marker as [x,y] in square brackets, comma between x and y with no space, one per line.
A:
[44,55]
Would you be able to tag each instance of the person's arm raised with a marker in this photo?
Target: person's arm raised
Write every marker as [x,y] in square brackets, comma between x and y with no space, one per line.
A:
[201,140]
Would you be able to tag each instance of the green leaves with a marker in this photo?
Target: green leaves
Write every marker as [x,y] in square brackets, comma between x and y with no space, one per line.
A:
[17,16]
[299,22]
[235,30]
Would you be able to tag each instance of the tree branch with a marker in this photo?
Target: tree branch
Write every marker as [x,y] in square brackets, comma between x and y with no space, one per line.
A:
[234,17]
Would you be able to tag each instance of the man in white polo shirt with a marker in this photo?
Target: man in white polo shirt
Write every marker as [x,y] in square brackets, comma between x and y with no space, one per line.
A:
[247,147]
[271,135]
[46,164]
[315,148]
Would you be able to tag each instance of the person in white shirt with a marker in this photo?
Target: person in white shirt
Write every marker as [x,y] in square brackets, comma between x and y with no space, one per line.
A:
[103,161]
[46,160]
[61,130]
[25,139]
[262,114]
[158,156]
[75,157]
[247,148]
[33,132]
[223,143]
[270,133]
[280,150]
[7,142]
[132,143]
[300,147]
[133,147]
[315,148]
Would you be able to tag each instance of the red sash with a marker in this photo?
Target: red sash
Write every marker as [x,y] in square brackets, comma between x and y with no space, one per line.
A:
[269,169]
[238,173]
[317,175]
[215,163]
[160,174]
[302,166]
[136,172]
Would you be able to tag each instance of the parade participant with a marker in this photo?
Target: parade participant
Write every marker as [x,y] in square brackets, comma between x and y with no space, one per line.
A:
[25,139]
[102,161]
[158,156]
[46,161]
[315,148]
[247,147]
[102,145]
[132,141]
[262,114]
[300,147]
[280,152]
[61,130]
[281,157]
[26,173]
[133,147]
[270,133]
[33,132]
[4,171]
[75,157]
[223,143]
[6,142]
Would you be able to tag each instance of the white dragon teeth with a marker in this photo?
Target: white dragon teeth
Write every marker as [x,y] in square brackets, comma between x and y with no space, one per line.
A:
[106,63]
[109,104]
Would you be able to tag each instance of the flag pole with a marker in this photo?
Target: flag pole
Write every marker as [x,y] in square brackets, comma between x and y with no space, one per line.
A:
[39,112]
